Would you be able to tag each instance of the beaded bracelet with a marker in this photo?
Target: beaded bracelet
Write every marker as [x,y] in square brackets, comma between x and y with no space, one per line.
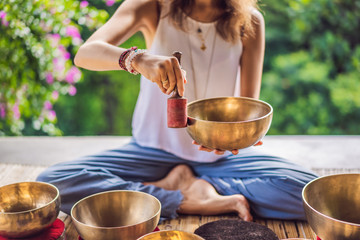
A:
[132,55]
[124,56]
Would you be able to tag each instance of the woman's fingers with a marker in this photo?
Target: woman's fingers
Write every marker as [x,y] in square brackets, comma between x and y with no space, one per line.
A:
[179,77]
[164,71]
[219,152]
[184,75]
[202,148]
[162,82]
[194,142]
[171,76]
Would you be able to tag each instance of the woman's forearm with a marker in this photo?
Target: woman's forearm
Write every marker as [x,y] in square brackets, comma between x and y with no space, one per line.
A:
[98,56]
[101,52]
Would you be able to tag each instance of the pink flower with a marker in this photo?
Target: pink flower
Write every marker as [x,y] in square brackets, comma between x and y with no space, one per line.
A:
[59,64]
[56,36]
[62,49]
[47,105]
[67,55]
[73,75]
[49,78]
[110,2]
[2,14]
[67,21]
[53,10]
[63,52]
[2,110]
[72,90]
[55,95]
[84,4]
[51,115]
[72,31]
[16,111]
[54,39]
[3,19]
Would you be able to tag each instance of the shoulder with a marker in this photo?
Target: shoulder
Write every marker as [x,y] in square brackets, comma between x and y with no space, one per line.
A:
[257,35]
[140,8]
[257,17]
[143,14]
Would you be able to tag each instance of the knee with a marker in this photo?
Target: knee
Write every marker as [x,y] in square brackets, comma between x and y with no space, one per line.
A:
[44,176]
[278,197]
[51,174]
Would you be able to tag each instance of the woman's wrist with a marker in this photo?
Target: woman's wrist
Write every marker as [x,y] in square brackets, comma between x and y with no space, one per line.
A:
[131,58]
[123,58]
[137,61]
[128,57]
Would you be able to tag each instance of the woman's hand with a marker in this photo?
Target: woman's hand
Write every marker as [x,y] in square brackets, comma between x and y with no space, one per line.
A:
[221,152]
[163,70]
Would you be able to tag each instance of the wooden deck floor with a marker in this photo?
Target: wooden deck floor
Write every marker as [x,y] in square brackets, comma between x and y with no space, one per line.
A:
[11,173]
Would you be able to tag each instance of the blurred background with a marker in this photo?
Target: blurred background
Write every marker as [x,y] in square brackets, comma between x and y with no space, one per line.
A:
[311,70]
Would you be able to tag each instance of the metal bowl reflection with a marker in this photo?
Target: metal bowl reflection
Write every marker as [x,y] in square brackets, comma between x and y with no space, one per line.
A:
[171,235]
[228,123]
[114,214]
[332,206]
[27,208]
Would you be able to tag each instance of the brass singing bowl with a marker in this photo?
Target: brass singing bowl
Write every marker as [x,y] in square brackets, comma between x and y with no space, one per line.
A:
[332,206]
[171,235]
[120,215]
[228,123]
[27,208]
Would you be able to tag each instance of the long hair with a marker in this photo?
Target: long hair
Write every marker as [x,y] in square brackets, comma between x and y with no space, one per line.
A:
[234,23]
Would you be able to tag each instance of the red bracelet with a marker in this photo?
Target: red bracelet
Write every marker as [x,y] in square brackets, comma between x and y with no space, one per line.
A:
[123,57]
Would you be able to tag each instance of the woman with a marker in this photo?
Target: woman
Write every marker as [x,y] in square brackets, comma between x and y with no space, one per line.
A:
[217,39]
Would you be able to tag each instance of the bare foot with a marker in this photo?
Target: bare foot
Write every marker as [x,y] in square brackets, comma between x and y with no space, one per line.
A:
[180,177]
[202,198]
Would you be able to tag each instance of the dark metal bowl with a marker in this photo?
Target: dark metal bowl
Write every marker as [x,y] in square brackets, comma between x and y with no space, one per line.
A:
[332,206]
[27,208]
[228,123]
[115,215]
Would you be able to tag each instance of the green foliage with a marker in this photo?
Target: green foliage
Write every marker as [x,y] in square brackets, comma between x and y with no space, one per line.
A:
[297,89]
[104,103]
[314,88]
[36,42]
[311,69]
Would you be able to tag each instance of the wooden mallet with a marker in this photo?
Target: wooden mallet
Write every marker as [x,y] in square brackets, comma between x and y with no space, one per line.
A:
[177,106]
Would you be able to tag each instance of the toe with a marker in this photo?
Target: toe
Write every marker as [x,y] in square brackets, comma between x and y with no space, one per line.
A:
[243,208]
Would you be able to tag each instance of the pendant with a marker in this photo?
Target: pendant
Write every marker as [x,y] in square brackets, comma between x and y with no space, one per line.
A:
[203,47]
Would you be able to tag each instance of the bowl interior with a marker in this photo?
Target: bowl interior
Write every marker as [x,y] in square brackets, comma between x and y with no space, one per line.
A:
[228,109]
[171,235]
[336,196]
[26,196]
[116,209]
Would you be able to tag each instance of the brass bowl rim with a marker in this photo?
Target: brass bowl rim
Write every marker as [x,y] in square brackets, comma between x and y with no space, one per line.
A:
[316,211]
[119,227]
[245,98]
[148,234]
[34,209]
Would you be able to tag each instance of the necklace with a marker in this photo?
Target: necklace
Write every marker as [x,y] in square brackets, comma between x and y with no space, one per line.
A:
[209,68]
[202,37]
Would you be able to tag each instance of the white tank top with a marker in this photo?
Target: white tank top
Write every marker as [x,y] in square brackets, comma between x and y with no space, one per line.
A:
[216,74]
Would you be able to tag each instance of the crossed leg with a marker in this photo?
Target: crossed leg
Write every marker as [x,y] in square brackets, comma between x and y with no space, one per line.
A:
[200,197]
